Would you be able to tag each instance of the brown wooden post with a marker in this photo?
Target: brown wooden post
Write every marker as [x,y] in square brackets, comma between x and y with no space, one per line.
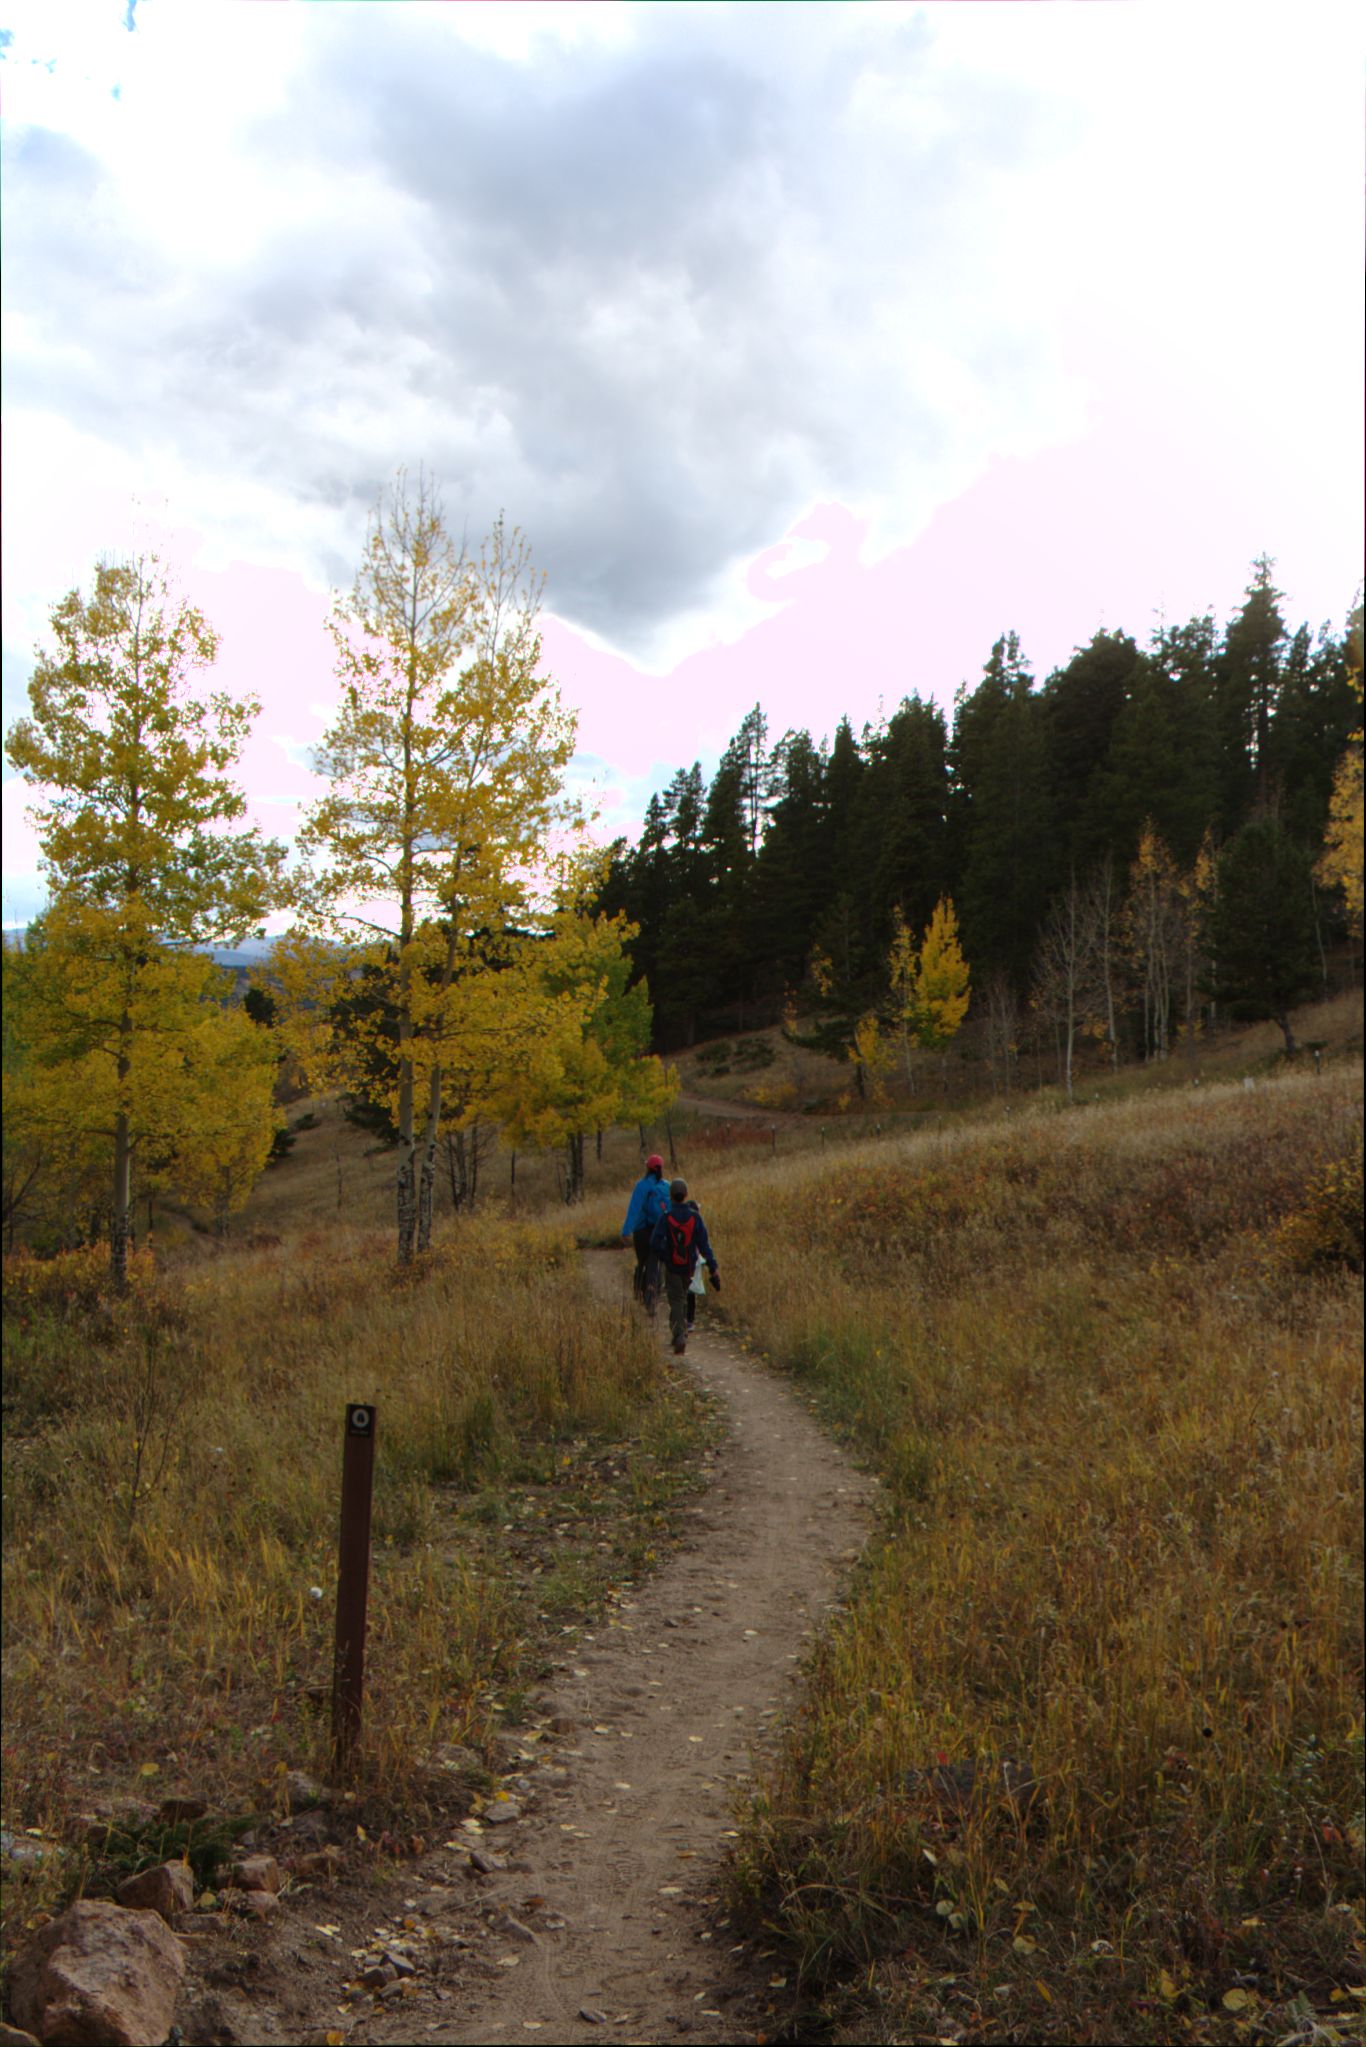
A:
[353,1579]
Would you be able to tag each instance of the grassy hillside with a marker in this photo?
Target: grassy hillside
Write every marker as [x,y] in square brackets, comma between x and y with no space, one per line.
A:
[171,1480]
[1083,1757]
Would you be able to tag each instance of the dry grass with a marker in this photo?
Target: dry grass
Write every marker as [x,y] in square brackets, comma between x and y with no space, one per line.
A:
[1108,1364]
[160,1624]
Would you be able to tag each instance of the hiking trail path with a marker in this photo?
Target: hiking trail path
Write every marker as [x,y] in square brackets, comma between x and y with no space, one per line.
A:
[625,1824]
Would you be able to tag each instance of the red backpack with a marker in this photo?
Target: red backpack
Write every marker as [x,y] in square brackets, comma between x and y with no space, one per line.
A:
[680,1241]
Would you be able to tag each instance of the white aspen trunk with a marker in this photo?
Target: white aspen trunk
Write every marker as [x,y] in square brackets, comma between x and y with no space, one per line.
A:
[120,1227]
[427,1179]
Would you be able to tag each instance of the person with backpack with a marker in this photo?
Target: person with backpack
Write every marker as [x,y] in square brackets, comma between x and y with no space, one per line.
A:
[679,1240]
[649,1199]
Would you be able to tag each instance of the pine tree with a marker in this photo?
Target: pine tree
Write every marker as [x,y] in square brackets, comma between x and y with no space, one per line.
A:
[1081,705]
[1249,670]
[791,875]
[1003,819]
[1260,937]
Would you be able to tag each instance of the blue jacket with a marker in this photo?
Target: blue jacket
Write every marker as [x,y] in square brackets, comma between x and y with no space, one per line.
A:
[649,1199]
[659,1242]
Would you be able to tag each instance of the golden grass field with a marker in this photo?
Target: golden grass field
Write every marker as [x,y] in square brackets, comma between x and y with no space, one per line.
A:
[1108,1362]
[172,1470]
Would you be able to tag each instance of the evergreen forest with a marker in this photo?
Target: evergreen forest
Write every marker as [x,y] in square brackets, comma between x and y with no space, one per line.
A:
[1112,838]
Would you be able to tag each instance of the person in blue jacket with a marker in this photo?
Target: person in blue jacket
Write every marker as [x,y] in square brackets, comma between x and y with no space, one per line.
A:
[679,1240]
[649,1199]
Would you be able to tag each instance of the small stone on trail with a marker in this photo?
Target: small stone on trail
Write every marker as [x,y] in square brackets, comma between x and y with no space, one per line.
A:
[257,1873]
[514,1929]
[167,1889]
[485,1863]
[591,2017]
[321,1862]
[255,1904]
[502,1815]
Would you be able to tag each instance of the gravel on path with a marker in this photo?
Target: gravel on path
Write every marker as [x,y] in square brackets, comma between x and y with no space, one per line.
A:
[604,1923]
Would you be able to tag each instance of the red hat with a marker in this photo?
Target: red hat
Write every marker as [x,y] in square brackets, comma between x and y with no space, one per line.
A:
[653,1161]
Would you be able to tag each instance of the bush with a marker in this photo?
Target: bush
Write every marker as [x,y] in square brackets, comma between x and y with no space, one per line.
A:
[1325,1232]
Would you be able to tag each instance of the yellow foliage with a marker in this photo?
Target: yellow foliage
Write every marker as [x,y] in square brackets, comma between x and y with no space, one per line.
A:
[942,981]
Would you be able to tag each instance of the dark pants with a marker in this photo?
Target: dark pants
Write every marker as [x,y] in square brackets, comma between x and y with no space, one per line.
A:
[676,1285]
[643,1281]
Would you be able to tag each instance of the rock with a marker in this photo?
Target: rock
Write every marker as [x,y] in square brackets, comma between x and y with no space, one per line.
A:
[257,1873]
[434,1902]
[22,1848]
[306,1792]
[167,1889]
[208,2024]
[379,1976]
[10,2036]
[99,1974]
[513,1929]
[563,1723]
[255,1904]
[116,1816]
[179,1807]
[320,1864]
[591,2017]
[399,1963]
[502,1814]
[485,1863]
[452,1755]
[307,1829]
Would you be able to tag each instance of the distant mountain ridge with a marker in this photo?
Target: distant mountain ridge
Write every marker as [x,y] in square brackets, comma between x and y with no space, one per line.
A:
[249,954]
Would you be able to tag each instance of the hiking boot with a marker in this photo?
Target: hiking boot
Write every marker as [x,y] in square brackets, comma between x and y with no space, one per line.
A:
[680,1346]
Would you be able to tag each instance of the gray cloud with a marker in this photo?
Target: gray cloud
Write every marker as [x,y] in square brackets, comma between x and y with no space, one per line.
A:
[650,300]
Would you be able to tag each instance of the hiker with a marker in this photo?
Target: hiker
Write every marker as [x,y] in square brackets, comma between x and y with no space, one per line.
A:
[649,1199]
[679,1240]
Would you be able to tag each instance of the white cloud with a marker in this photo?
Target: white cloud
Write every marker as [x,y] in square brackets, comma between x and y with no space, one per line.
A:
[653,279]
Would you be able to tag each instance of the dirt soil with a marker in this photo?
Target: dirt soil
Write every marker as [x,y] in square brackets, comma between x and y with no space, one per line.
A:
[606,1918]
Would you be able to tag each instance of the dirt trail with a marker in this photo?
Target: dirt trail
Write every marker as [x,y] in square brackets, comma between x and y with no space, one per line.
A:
[743,1112]
[623,1824]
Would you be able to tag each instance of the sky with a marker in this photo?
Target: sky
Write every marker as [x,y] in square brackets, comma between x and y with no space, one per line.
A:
[812,347]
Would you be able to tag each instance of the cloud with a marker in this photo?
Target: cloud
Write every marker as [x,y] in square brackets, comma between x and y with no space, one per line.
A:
[655,280]
[653,294]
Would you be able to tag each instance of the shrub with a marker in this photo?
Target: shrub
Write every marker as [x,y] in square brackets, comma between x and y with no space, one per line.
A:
[1324,1233]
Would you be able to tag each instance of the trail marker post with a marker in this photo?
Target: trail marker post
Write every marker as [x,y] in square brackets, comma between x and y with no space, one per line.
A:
[353,1578]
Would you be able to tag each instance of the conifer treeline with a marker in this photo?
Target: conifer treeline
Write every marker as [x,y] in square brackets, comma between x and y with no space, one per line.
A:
[798,845]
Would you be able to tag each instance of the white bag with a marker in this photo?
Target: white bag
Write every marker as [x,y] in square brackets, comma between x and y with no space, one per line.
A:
[698,1282]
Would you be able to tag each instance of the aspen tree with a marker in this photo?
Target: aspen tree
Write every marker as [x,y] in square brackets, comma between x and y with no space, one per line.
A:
[447,760]
[1341,862]
[901,966]
[133,759]
[588,1068]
